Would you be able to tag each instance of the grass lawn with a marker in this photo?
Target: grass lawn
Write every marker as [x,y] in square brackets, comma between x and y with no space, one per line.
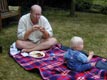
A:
[92,27]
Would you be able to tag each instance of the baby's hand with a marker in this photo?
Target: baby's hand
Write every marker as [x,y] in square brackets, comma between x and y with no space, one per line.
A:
[93,64]
[91,53]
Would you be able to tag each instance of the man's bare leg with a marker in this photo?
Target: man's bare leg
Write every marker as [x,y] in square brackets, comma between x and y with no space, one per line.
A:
[43,45]
[20,44]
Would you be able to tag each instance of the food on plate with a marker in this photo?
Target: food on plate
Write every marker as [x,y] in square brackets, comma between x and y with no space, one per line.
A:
[39,54]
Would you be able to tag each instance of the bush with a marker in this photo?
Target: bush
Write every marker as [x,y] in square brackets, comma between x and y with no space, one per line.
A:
[83,5]
[104,10]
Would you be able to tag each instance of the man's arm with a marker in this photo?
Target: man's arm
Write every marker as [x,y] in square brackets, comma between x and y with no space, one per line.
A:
[21,29]
[45,33]
[27,33]
[34,28]
[23,33]
[47,27]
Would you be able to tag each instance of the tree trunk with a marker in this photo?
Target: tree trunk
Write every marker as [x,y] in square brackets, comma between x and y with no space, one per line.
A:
[0,49]
[72,8]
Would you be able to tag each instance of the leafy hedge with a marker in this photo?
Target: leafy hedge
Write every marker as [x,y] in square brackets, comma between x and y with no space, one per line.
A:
[104,10]
[83,5]
[88,5]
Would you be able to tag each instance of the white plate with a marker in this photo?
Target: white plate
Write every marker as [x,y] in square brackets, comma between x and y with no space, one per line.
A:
[34,54]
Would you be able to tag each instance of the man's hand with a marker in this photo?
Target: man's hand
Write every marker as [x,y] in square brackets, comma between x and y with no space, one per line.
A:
[42,29]
[45,33]
[36,27]
[28,32]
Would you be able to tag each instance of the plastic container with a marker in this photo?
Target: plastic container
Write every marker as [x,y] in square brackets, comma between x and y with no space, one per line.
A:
[52,55]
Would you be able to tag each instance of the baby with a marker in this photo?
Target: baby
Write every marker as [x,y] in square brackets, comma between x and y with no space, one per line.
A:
[76,59]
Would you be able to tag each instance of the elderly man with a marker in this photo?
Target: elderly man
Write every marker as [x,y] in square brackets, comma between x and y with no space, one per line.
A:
[34,31]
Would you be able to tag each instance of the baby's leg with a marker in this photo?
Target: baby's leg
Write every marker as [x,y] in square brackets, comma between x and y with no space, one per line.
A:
[83,67]
[101,65]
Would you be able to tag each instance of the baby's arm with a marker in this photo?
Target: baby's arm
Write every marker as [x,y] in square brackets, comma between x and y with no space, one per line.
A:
[82,58]
[91,53]
[86,59]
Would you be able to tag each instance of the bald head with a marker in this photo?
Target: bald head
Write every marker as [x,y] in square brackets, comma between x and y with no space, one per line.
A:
[36,8]
[36,12]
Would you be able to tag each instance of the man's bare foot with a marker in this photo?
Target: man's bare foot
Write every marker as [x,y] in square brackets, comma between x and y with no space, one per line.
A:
[26,50]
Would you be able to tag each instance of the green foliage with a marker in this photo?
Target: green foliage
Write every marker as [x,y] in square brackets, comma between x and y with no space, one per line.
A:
[104,10]
[83,5]
[92,5]
[100,2]
[102,5]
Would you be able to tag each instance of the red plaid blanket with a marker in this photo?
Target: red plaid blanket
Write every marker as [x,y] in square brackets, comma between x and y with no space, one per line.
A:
[56,69]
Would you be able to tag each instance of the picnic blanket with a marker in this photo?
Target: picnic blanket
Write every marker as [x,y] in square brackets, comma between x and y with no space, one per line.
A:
[56,69]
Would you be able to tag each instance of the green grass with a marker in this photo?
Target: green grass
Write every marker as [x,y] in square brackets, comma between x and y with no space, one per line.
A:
[91,27]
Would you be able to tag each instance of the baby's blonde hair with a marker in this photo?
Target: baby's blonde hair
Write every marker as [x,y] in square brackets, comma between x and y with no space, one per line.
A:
[75,41]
